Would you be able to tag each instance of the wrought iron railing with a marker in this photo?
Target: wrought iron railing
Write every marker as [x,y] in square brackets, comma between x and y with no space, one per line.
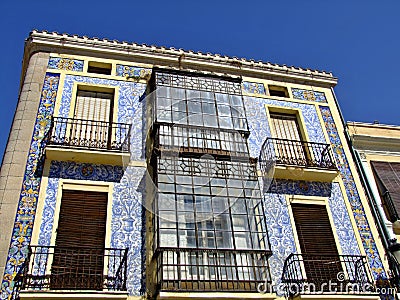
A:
[89,134]
[297,153]
[212,270]
[200,140]
[307,274]
[67,268]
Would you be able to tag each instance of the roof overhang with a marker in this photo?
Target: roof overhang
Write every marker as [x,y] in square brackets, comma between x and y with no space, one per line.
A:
[170,57]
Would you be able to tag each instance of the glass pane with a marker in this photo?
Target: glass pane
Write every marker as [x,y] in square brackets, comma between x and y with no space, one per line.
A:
[225,122]
[193,94]
[167,215]
[239,207]
[194,107]
[164,187]
[224,110]
[183,179]
[163,92]
[177,93]
[164,116]
[166,201]
[222,98]
[195,119]
[236,100]
[240,223]
[209,108]
[184,202]
[242,240]
[207,96]
[226,242]
[163,102]
[210,121]
[203,204]
[184,189]
[168,238]
[219,204]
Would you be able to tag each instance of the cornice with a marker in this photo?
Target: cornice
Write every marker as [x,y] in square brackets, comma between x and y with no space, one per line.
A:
[375,143]
[171,57]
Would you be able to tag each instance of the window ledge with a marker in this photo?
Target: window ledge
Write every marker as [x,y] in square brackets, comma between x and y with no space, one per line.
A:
[87,156]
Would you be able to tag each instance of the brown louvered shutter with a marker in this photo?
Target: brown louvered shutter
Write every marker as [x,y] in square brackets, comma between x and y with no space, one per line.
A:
[79,251]
[317,243]
[387,175]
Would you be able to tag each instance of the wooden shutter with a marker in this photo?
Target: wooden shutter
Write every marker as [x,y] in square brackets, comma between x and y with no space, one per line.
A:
[94,106]
[289,150]
[317,242]
[92,114]
[285,126]
[82,220]
[79,252]
[387,175]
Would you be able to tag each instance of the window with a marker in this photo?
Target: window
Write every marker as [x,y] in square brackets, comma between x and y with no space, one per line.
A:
[92,118]
[99,68]
[93,106]
[387,176]
[200,108]
[285,126]
[316,237]
[209,204]
[209,219]
[80,241]
[289,148]
[278,91]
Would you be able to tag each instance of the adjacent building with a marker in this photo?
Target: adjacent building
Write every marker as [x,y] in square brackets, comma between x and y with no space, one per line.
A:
[377,149]
[135,171]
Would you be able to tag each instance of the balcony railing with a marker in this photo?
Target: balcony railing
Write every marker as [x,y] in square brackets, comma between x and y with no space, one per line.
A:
[197,140]
[212,270]
[67,268]
[297,153]
[94,135]
[307,274]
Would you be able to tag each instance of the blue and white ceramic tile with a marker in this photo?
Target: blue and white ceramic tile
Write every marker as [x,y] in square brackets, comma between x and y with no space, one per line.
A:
[308,95]
[126,220]
[127,230]
[280,233]
[353,196]
[253,87]
[25,217]
[132,71]
[68,64]
[341,219]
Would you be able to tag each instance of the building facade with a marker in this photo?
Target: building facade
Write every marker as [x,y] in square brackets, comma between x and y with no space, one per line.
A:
[377,148]
[136,171]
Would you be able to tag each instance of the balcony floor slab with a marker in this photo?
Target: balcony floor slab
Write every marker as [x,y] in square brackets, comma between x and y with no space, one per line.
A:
[87,156]
[72,295]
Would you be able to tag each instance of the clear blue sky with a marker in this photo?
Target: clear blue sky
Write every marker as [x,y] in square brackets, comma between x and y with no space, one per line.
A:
[359,41]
